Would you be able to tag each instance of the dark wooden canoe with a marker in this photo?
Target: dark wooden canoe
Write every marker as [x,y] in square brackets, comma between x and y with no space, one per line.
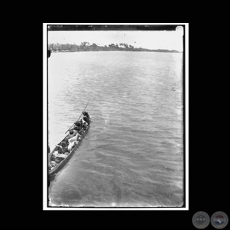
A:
[61,164]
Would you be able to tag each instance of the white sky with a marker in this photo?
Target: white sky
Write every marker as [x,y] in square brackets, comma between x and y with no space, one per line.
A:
[145,39]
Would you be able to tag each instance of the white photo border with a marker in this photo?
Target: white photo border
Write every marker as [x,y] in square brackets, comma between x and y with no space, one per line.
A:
[45,115]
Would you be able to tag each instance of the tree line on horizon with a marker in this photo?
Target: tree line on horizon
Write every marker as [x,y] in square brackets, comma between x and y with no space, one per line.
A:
[86,46]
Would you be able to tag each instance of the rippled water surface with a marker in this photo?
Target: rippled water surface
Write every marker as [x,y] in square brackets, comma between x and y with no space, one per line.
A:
[132,155]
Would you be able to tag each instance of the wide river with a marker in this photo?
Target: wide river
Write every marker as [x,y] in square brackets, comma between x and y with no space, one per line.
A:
[133,153]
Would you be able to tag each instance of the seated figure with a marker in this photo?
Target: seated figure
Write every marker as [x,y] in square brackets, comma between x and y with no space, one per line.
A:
[75,138]
[86,118]
[71,134]
[85,114]
[52,164]
[62,147]
[77,125]
[71,145]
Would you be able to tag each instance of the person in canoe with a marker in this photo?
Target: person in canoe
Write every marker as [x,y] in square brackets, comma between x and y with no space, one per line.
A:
[77,126]
[85,120]
[52,164]
[86,117]
[73,141]
[61,151]
[71,134]
[85,114]
[62,148]
[84,123]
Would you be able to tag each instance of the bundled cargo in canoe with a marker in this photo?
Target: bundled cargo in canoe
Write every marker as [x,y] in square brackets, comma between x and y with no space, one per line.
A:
[64,158]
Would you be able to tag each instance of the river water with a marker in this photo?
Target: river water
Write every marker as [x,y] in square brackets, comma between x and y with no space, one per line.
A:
[132,155]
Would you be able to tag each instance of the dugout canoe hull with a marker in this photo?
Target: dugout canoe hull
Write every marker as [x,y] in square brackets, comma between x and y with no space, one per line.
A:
[61,164]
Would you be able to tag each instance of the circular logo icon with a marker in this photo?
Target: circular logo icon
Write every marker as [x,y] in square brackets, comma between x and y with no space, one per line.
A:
[219,220]
[201,220]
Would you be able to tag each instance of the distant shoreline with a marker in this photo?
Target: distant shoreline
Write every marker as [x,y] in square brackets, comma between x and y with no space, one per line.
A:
[70,51]
[86,47]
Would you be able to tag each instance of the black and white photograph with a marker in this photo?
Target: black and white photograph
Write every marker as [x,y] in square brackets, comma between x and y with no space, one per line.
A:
[115,120]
